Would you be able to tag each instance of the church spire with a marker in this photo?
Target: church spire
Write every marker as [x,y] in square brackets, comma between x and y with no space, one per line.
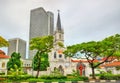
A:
[59,21]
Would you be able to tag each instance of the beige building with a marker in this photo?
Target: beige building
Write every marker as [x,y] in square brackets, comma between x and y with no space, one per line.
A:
[3,62]
[27,66]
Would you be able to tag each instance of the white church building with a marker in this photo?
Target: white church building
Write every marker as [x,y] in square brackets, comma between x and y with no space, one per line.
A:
[58,60]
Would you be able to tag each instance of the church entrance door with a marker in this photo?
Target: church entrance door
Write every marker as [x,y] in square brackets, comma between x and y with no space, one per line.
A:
[81,69]
[61,69]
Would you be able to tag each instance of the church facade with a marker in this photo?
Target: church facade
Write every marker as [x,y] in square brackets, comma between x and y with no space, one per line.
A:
[57,59]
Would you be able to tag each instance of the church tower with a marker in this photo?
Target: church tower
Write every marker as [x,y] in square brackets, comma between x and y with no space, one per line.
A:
[56,56]
[59,33]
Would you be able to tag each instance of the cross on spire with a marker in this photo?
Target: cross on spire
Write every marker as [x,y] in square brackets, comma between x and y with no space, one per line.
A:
[58,11]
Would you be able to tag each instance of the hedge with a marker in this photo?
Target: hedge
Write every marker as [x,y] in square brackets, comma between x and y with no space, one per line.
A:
[53,77]
[29,78]
[110,77]
[19,77]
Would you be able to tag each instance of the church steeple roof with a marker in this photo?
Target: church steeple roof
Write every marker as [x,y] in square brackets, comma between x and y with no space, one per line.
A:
[59,21]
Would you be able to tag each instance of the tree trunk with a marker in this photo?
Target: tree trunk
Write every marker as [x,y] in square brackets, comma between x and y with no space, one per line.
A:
[37,73]
[93,72]
[38,69]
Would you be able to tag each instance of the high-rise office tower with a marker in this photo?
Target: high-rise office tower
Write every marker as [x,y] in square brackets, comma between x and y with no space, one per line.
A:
[17,45]
[41,24]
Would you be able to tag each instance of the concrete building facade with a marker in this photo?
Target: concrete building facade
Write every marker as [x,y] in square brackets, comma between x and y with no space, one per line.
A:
[17,45]
[41,24]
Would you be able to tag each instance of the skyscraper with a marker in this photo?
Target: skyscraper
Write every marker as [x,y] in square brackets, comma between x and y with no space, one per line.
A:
[17,45]
[41,24]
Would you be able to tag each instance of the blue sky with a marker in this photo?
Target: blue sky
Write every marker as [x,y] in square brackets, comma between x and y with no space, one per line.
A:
[82,20]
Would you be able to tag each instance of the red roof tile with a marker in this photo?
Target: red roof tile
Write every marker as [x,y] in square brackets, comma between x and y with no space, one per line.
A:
[82,60]
[2,55]
[110,58]
[113,64]
[78,60]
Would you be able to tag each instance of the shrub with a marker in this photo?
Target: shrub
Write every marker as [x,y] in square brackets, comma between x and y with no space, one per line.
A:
[69,75]
[52,77]
[2,73]
[2,79]
[81,78]
[63,78]
[76,76]
[110,77]
[17,78]
[84,78]
[44,78]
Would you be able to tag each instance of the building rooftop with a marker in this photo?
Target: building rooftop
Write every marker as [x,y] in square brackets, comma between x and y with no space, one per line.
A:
[112,64]
[82,60]
[3,55]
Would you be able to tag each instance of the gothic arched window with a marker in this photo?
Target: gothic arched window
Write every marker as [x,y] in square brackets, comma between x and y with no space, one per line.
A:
[54,54]
[3,65]
[55,68]
[60,55]
[59,36]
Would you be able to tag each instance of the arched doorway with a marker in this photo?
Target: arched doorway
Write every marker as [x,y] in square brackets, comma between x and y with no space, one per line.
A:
[81,69]
[61,69]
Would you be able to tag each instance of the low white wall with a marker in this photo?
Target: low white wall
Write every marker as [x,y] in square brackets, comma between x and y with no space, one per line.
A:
[34,73]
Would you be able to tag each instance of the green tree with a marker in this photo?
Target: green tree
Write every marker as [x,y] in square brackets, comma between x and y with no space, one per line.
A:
[14,64]
[60,44]
[43,46]
[44,62]
[107,48]
[3,42]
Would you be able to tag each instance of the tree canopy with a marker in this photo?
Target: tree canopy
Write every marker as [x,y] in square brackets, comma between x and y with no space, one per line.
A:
[107,48]
[14,60]
[3,42]
[44,62]
[43,46]
[14,65]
